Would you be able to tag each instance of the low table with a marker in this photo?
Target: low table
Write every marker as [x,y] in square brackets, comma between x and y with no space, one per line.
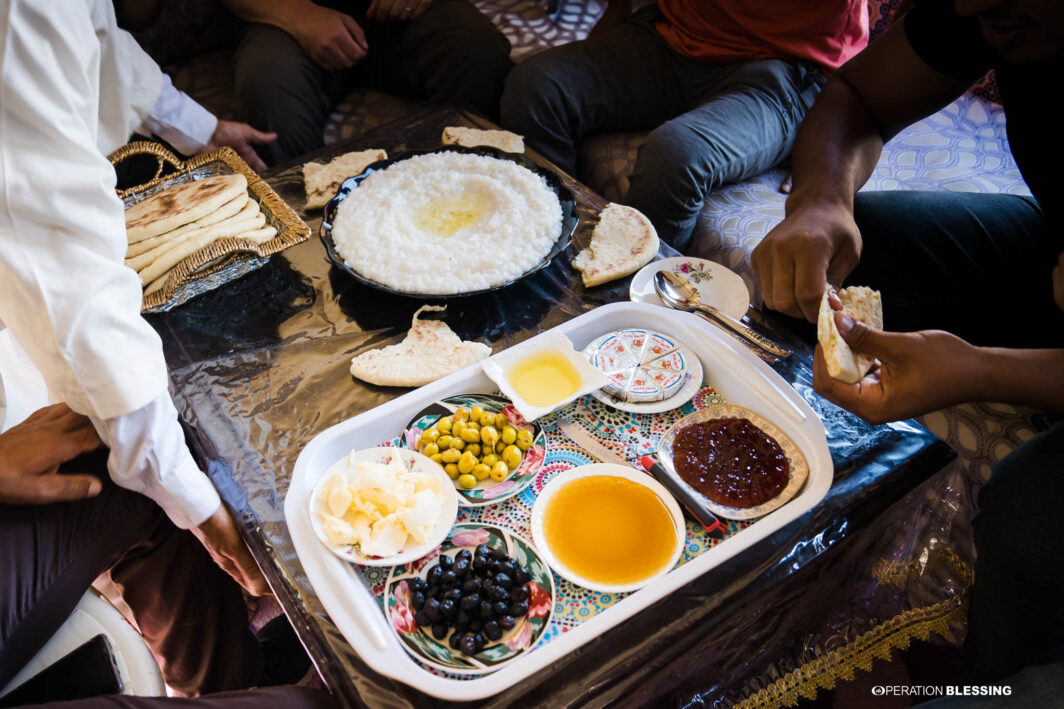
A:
[260,367]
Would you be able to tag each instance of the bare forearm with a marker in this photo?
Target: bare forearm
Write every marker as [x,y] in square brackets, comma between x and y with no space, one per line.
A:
[1032,378]
[836,149]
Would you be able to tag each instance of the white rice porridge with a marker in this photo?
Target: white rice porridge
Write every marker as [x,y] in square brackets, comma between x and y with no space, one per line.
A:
[447,223]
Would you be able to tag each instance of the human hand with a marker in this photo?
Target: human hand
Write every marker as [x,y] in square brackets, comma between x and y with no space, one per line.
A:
[242,138]
[917,372]
[812,247]
[220,537]
[31,453]
[1058,282]
[392,10]
[332,39]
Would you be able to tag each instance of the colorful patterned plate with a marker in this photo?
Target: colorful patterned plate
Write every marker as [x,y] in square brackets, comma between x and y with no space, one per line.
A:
[487,492]
[414,462]
[523,637]
[798,464]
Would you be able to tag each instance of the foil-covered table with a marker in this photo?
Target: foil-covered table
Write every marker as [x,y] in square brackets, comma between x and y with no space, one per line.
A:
[260,366]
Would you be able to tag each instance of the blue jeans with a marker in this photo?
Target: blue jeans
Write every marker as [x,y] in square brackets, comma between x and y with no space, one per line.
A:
[709,123]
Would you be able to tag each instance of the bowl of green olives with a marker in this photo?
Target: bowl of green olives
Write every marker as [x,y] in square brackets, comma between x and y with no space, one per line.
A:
[480,601]
[484,445]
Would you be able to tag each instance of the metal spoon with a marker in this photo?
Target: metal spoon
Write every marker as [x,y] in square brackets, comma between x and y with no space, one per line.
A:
[678,292]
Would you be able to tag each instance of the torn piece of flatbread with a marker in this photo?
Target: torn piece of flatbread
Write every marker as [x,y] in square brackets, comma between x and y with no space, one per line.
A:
[863,304]
[623,242]
[181,204]
[246,208]
[430,350]
[322,181]
[504,140]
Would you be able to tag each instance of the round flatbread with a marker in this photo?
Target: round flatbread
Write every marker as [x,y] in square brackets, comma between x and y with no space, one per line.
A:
[242,207]
[181,204]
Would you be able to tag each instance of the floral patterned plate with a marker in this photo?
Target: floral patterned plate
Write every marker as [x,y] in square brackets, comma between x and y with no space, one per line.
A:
[719,286]
[523,637]
[487,492]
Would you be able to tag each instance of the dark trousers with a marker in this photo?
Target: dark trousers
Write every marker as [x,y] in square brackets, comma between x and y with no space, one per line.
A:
[191,613]
[978,265]
[271,698]
[710,124]
[451,53]
[1017,617]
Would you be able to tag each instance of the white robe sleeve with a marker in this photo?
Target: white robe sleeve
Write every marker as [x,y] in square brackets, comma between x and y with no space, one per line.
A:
[179,120]
[65,293]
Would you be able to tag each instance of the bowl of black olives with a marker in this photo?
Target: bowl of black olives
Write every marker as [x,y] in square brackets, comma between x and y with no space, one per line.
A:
[480,601]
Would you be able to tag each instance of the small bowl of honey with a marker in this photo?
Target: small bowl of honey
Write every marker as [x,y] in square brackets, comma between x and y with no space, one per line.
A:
[543,375]
[609,528]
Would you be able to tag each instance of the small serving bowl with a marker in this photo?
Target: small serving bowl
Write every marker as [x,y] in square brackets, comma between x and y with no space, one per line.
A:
[543,502]
[412,461]
[498,366]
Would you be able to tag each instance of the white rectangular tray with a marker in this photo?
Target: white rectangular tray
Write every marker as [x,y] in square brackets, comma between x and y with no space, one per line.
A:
[739,376]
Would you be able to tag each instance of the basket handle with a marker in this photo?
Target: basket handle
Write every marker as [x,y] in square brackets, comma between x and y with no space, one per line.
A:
[162,157]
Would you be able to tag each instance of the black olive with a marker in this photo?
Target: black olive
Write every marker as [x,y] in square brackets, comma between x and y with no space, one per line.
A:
[481,642]
[449,578]
[417,584]
[463,618]
[503,579]
[444,562]
[519,609]
[439,631]
[492,630]
[464,554]
[434,575]
[506,622]
[432,610]
[452,594]
[486,610]
[498,554]
[483,549]
[509,566]
[500,594]
[487,584]
[519,593]
[456,637]
[448,609]
[471,584]
[495,566]
[480,564]
[468,645]
[500,607]
[521,576]
[422,619]
[475,625]
[470,601]
[461,567]
[433,592]
[417,600]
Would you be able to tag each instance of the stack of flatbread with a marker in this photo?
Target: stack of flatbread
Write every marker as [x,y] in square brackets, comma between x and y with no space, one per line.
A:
[504,140]
[623,241]
[173,224]
[322,181]
[430,350]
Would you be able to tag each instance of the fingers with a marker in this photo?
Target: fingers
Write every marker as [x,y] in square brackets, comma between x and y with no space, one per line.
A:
[356,33]
[248,154]
[787,184]
[862,338]
[52,487]
[863,398]
[258,137]
[221,538]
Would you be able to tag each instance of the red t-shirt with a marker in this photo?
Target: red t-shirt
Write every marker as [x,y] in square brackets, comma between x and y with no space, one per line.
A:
[827,32]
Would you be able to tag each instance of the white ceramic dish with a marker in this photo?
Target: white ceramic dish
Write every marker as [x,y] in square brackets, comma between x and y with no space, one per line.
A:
[552,488]
[498,365]
[414,462]
[736,373]
[691,385]
[718,285]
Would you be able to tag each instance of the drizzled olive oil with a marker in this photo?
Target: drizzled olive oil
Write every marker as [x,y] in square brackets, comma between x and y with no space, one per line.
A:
[444,217]
[544,378]
[609,530]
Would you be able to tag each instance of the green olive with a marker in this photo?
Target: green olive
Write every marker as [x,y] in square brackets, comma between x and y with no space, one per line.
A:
[476,413]
[487,419]
[429,435]
[490,459]
[499,471]
[481,471]
[500,447]
[509,434]
[512,457]
[524,439]
[458,427]
[437,458]
[473,448]
[489,436]
[470,436]
[460,414]
[457,443]
[450,455]
[467,481]
[452,470]
[466,463]
[430,449]
[473,426]
[500,420]
[443,442]
[444,424]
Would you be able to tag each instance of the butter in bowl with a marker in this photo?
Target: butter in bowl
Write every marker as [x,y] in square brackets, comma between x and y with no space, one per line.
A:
[543,375]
